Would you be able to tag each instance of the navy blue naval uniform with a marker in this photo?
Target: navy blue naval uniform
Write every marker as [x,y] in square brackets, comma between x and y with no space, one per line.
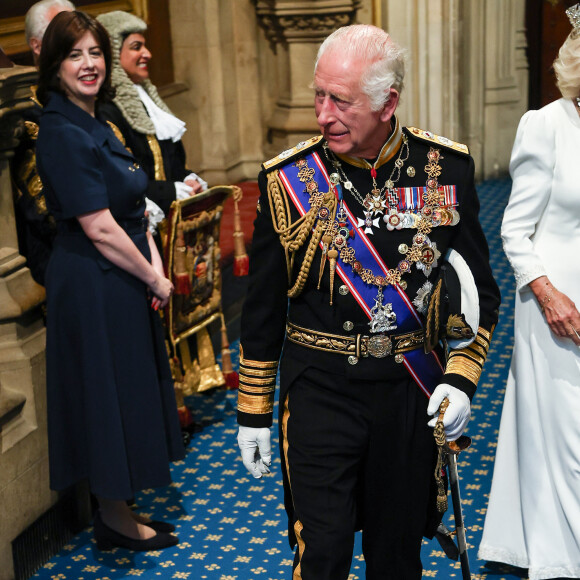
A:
[112,417]
[355,446]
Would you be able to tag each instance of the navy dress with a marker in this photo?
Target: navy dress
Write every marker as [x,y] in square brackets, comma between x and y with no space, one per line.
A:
[112,416]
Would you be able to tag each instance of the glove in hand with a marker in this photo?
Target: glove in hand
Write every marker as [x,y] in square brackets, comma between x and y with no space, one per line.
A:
[457,414]
[254,443]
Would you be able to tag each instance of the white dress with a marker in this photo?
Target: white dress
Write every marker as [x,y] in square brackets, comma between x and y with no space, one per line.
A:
[533,517]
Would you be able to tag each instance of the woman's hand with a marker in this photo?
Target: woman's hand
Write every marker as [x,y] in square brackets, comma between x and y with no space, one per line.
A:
[561,313]
[162,289]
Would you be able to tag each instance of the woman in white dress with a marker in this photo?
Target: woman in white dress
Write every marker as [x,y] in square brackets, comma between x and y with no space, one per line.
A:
[533,517]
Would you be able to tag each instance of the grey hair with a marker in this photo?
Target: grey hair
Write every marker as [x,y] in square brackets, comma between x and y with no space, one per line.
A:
[386,68]
[567,67]
[37,17]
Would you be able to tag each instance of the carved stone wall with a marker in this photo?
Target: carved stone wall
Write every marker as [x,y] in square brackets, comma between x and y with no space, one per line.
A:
[248,64]
[467,72]
[24,487]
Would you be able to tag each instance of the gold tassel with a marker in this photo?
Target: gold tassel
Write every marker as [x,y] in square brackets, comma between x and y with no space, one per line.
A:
[326,239]
[211,374]
[332,256]
[241,259]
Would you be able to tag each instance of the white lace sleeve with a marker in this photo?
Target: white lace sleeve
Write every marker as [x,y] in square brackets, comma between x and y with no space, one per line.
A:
[531,168]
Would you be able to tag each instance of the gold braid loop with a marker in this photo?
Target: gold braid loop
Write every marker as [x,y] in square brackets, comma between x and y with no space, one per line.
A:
[307,262]
[294,235]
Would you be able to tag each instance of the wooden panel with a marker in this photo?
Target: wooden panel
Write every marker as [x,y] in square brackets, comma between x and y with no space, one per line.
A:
[547,27]
[12,13]
[159,43]
[13,42]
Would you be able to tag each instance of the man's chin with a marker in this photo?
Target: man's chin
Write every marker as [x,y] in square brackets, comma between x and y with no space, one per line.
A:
[339,144]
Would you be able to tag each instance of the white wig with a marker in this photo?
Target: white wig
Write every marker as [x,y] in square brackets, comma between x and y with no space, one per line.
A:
[567,67]
[38,17]
[386,60]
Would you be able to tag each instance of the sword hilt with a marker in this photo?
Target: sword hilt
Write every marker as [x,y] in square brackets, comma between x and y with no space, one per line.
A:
[460,444]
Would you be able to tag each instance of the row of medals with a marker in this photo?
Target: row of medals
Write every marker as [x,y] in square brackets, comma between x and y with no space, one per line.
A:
[383,319]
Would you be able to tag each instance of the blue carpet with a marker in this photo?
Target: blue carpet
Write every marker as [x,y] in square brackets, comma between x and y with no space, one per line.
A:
[233,527]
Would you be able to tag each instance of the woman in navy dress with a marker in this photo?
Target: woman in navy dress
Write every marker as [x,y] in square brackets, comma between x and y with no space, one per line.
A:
[112,417]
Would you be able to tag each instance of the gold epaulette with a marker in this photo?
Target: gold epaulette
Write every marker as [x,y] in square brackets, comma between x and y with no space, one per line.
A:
[287,155]
[437,139]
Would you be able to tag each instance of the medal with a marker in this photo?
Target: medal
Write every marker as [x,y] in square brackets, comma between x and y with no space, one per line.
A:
[383,319]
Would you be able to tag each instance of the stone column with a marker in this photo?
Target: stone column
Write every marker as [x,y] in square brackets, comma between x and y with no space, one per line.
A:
[467,74]
[24,487]
[295,29]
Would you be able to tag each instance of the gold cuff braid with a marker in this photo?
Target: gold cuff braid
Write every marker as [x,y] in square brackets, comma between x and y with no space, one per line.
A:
[468,361]
[257,385]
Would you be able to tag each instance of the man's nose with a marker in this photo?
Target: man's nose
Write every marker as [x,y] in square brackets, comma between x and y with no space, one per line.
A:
[325,111]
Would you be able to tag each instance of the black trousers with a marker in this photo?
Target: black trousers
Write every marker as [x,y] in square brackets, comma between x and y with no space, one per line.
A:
[359,455]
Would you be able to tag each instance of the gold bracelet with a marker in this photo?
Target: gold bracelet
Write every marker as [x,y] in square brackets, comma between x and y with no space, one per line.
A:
[547,297]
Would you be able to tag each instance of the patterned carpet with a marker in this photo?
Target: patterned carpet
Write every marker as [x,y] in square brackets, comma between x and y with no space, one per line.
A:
[233,527]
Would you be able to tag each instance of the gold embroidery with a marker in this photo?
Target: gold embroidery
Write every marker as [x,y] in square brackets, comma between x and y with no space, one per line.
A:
[257,385]
[118,134]
[157,158]
[468,362]
[251,372]
[255,405]
[34,98]
[256,364]
[486,334]
[31,129]
[285,155]
[298,527]
[260,385]
[462,365]
[428,136]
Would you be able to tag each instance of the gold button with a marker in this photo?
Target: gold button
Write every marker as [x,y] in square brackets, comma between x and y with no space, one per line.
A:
[399,358]
[348,325]
[343,290]
[403,248]
[352,359]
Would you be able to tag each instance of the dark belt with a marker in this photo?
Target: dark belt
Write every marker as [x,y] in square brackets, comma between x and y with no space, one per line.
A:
[377,346]
[72,226]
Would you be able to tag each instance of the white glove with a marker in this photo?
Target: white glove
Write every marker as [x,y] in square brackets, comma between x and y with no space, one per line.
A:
[254,443]
[457,414]
[182,190]
[155,215]
[197,178]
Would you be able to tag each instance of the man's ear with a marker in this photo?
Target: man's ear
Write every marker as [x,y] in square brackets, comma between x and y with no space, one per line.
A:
[35,46]
[390,106]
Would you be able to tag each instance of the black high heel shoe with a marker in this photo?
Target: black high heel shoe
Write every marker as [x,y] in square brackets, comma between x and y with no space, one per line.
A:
[162,527]
[107,539]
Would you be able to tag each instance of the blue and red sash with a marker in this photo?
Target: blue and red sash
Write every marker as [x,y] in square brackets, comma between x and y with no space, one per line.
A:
[426,369]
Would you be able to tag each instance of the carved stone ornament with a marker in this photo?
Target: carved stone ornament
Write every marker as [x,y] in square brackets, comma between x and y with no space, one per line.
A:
[14,98]
[304,20]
